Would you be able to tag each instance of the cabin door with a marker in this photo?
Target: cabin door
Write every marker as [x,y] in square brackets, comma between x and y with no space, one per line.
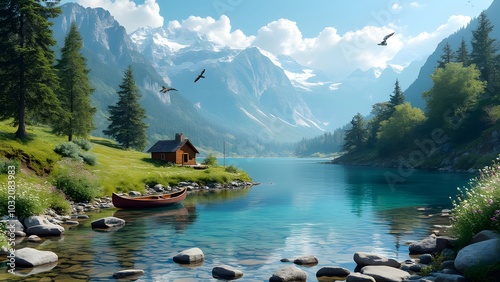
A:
[185,158]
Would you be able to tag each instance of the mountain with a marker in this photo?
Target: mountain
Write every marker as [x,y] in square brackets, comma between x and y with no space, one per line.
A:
[243,89]
[424,82]
[109,51]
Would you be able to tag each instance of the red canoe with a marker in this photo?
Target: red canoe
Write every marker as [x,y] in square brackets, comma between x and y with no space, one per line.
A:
[149,201]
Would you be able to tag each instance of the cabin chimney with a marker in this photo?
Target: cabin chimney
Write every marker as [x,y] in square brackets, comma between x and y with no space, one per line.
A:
[179,137]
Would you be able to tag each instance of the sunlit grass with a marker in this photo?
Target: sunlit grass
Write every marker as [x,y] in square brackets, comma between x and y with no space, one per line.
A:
[116,169]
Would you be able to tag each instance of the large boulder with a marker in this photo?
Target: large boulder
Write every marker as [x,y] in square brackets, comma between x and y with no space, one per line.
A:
[333,272]
[29,257]
[385,273]
[45,230]
[35,220]
[481,253]
[190,256]
[108,222]
[226,272]
[40,226]
[424,246]
[363,259]
[289,274]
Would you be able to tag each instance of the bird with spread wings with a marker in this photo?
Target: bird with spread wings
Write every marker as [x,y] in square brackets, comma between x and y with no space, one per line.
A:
[166,89]
[200,75]
[384,41]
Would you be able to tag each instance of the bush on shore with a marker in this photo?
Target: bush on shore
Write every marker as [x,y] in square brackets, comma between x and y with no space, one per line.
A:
[73,151]
[77,183]
[477,208]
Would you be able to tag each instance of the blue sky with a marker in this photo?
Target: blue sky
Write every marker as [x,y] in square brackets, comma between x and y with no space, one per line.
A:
[334,36]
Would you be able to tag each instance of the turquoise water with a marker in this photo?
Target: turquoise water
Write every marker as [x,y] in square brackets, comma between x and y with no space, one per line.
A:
[302,207]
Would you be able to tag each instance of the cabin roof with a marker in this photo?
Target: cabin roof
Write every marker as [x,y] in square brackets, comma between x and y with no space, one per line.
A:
[170,146]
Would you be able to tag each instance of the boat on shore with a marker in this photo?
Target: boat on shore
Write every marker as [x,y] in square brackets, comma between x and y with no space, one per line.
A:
[148,201]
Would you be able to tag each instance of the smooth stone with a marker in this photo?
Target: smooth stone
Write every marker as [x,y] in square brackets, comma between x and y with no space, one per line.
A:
[333,272]
[45,230]
[35,220]
[226,272]
[481,253]
[18,226]
[306,260]
[358,277]
[385,273]
[289,274]
[425,258]
[363,259]
[424,246]
[485,235]
[29,257]
[193,255]
[128,273]
[108,222]
[34,239]
[19,234]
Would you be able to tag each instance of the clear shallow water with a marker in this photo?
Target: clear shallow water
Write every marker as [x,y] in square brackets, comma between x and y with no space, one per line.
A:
[302,207]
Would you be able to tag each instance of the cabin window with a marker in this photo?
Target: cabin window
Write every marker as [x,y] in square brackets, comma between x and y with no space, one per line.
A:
[186,158]
[162,156]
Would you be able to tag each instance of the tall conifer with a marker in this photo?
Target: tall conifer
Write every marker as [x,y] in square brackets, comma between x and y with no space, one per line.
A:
[75,91]
[126,117]
[27,77]
[484,52]
[446,57]
[462,54]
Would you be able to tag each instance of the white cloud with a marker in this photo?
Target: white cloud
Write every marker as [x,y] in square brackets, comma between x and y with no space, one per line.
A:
[217,31]
[330,52]
[127,13]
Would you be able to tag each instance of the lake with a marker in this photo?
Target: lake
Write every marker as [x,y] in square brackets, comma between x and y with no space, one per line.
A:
[302,207]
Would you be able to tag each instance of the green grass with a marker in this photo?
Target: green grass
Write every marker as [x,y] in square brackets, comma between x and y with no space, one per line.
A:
[116,169]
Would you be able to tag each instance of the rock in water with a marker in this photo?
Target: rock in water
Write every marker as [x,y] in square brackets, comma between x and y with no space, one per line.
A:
[193,255]
[29,257]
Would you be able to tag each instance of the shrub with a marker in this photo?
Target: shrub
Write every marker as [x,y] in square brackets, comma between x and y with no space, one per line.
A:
[478,208]
[58,202]
[232,169]
[4,165]
[76,182]
[83,144]
[29,199]
[68,149]
[89,158]
[211,160]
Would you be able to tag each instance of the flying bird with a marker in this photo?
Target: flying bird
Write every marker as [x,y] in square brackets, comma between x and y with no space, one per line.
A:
[166,89]
[384,42]
[200,75]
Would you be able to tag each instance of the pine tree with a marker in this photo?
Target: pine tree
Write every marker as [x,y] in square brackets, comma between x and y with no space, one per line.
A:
[126,117]
[462,54]
[27,76]
[446,57]
[75,91]
[355,137]
[484,52]
[398,98]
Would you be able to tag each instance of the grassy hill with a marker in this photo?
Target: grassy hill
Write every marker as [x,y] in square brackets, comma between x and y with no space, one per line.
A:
[116,169]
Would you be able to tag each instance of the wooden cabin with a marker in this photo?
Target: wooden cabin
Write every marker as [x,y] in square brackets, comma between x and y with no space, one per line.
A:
[179,151]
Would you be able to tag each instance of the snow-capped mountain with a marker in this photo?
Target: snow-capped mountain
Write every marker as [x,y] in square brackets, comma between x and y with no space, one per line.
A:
[243,89]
